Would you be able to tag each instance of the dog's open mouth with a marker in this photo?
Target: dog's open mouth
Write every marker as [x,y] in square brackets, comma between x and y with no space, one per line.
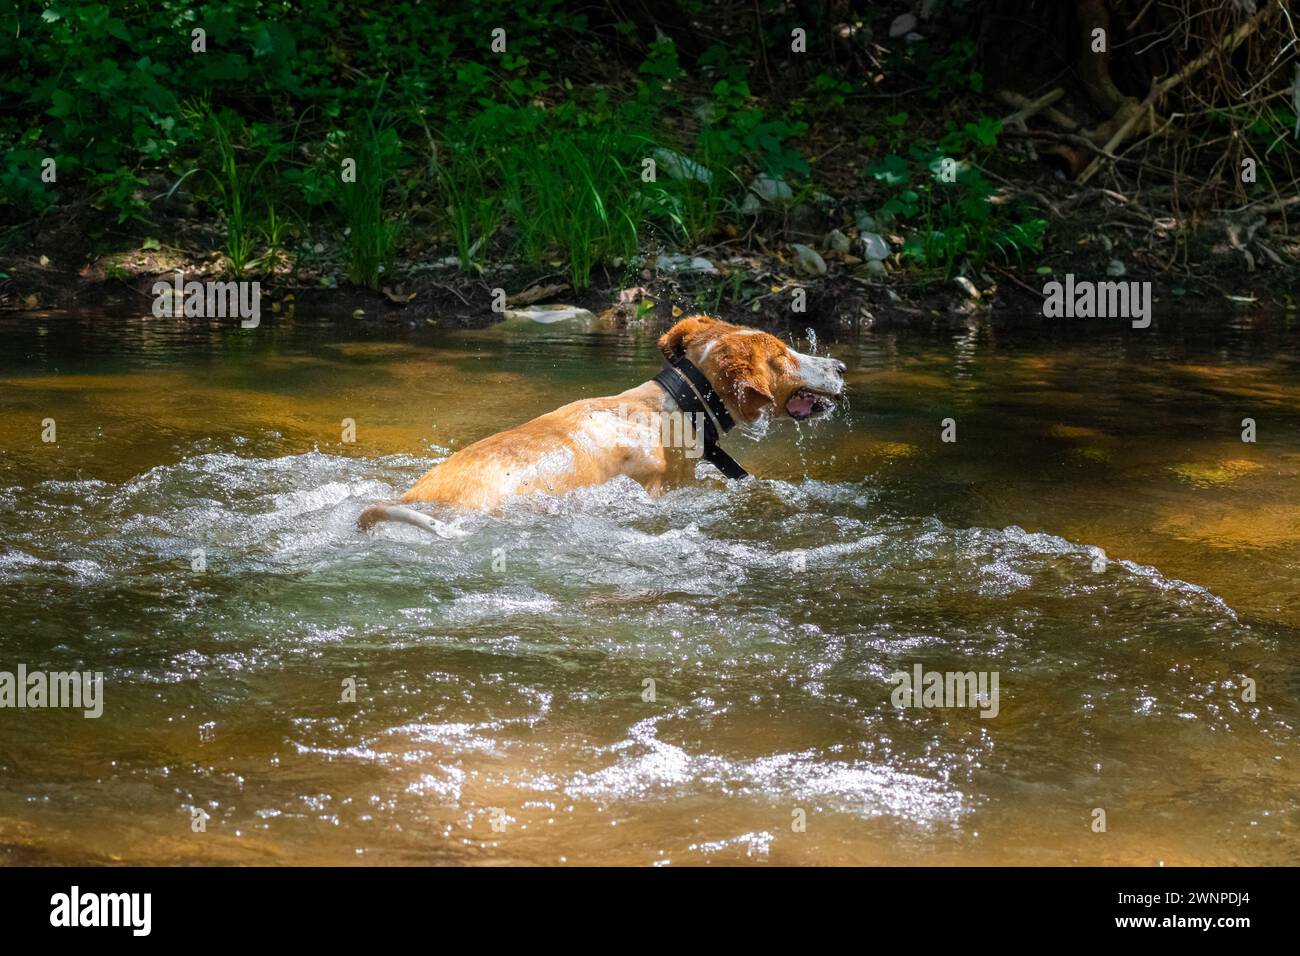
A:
[806,403]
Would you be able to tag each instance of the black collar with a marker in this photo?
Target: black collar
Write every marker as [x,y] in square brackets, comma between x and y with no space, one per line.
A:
[693,394]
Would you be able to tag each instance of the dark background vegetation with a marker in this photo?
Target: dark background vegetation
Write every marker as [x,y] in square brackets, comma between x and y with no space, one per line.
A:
[228,161]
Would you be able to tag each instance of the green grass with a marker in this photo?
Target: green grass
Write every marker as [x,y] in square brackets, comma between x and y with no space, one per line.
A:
[371,234]
[688,210]
[472,203]
[237,184]
[571,196]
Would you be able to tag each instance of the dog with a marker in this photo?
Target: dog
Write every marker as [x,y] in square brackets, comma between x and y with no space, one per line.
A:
[716,374]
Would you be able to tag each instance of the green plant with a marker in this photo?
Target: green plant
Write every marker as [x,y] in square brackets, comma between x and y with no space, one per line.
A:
[234,182]
[739,131]
[272,231]
[830,92]
[948,206]
[572,194]
[469,198]
[727,290]
[689,209]
[371,155]
[566,180]
[952,72]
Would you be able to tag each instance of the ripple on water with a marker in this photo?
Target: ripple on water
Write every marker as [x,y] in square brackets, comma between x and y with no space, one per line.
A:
[771,614]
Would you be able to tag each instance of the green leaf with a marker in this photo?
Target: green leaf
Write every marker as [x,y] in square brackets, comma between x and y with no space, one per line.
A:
[890,169]
[986,131]
[64,104]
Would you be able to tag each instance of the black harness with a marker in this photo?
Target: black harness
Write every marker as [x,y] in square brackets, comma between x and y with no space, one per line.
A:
[693,394]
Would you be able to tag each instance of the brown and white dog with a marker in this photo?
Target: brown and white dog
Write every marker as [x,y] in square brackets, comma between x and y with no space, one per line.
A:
[591,441]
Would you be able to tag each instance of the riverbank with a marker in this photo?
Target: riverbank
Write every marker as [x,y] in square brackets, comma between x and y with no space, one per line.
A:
[882,169]
[755,281]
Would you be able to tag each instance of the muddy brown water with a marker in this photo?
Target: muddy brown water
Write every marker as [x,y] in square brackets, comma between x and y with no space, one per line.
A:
[501,678]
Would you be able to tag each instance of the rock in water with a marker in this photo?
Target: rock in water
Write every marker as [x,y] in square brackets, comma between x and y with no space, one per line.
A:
[546,314]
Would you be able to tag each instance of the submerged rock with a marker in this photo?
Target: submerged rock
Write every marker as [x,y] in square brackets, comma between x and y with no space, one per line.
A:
[1215,472]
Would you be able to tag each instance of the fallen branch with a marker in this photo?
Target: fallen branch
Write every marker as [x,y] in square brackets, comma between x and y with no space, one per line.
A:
[1027,107]
[1021,102]
[1161,89]
[1266,209]
[1055,137]
[1030,289]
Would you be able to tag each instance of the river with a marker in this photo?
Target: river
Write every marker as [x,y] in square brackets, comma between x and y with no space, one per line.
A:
[611,678]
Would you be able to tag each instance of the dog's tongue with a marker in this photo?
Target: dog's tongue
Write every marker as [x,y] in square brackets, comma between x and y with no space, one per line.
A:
[800,405]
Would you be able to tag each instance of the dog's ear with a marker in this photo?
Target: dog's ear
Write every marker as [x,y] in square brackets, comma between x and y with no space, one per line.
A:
[747,380]
[673,342]
[754,399]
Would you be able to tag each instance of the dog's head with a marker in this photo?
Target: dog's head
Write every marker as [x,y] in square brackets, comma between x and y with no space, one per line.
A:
[755,373]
